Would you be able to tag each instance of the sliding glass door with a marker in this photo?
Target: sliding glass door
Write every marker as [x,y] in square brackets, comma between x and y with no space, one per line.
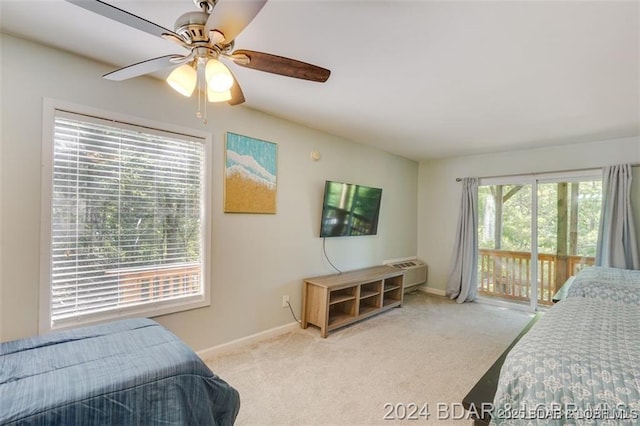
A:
[560,213]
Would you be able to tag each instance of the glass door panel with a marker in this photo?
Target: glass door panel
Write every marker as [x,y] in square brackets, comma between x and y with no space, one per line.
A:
[568,216]
[504,241]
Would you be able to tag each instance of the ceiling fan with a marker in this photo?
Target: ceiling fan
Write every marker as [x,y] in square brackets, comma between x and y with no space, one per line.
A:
[209,36]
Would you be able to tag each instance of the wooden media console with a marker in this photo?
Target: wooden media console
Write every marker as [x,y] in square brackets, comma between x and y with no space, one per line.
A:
[333,301]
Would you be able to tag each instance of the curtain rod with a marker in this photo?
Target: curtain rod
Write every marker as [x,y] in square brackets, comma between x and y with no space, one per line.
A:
[544,173]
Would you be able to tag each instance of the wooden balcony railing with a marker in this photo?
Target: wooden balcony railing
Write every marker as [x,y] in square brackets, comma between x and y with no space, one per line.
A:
[142,284]
[507,274]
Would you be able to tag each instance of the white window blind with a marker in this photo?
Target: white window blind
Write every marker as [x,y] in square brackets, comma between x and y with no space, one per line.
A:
[126,217]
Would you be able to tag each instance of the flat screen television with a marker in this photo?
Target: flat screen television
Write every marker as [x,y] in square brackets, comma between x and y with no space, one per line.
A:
[349,210]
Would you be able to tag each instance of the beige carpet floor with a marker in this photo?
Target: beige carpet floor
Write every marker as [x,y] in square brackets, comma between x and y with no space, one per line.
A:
[428,353]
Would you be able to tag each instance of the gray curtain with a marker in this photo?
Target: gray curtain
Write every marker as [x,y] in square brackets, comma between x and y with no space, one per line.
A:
[617,246]
[462,284]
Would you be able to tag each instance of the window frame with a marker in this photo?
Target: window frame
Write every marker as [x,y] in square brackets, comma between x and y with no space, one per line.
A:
[50,108]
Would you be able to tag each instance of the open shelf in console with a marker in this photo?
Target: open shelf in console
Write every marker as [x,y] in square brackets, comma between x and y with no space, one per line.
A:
[339,296]
[371,289]
[392,290]
[370,297]
[341,313]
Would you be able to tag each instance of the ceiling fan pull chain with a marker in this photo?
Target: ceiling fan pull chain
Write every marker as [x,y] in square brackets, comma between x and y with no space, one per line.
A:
[204,120]
[201,101]
[199,113]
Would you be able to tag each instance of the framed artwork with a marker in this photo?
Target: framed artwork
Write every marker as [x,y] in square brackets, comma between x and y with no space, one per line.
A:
[250,175]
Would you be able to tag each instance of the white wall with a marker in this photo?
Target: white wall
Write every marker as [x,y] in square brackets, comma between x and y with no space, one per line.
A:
[439,193]
[256,258]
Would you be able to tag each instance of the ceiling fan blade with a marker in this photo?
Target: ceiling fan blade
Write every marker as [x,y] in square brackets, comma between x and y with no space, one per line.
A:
[231,17]
[144,67]
[122,16]
[280,65]
[237,97]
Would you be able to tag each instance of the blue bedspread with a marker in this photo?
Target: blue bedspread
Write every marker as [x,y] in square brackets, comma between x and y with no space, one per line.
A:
[129,372]
[578,365]
[597,282]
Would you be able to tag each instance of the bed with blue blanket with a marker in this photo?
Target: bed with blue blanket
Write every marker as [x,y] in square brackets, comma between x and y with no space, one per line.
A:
[129,372]
[598,282]
[580,363]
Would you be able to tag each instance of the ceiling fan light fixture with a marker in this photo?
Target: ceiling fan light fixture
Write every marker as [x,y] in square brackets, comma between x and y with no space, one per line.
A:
[207,36]
[214,96]
[183,79]
[219,78]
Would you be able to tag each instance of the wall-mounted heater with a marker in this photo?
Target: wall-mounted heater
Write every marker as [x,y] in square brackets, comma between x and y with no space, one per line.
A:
[415,271]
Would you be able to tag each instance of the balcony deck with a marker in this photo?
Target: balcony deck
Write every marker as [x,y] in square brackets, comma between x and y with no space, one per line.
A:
[157,282]
[507,274]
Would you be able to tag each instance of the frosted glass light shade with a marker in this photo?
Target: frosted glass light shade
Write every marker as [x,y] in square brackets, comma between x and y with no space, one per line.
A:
[218,76]
[214,96]
[183,79]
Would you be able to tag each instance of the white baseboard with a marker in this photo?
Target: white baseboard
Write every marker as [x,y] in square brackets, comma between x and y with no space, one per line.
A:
[248,340]
[431,290]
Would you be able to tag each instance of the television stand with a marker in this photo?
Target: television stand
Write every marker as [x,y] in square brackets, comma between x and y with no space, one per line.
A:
[333,301]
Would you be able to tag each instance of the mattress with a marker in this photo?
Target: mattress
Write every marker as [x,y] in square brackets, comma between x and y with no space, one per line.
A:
[579,364]
[129,372]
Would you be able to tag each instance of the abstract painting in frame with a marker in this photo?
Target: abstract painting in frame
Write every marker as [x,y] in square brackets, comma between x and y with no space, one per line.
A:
[250,175]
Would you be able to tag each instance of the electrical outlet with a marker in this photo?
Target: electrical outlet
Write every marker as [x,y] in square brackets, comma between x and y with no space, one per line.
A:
[285,301]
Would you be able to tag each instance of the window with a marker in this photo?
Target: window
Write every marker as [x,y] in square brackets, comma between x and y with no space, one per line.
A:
[125,228]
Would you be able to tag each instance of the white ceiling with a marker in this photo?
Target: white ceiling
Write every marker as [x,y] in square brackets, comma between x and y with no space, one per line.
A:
[422,79]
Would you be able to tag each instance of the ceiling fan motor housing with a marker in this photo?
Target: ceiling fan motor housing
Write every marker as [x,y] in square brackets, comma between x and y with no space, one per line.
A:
[190,26]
